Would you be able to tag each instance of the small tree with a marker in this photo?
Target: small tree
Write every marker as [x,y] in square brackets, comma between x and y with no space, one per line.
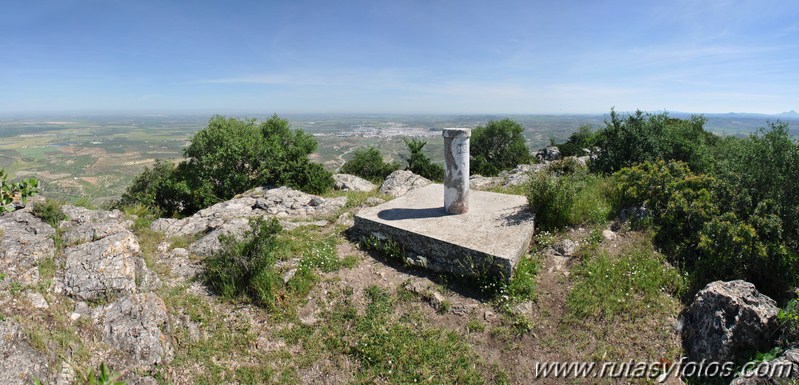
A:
[420,164]
[497,146]
[368,163]
[16,191]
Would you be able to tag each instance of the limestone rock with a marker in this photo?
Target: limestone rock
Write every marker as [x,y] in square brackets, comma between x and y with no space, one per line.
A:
[374,201]
[567,247]
[101,269]
[280,202]
[728,318]
[549,154]
[20,363]
[347,182]
[608,235]
[180,263]
[479,182]
[24,241]
[521,174]
[37,300]
[135,325]
[399,182]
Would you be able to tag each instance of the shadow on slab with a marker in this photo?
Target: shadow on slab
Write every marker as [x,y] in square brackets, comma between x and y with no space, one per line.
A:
[399,214]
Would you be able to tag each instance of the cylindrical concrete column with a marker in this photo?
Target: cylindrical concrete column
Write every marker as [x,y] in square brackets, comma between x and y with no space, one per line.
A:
[456,170]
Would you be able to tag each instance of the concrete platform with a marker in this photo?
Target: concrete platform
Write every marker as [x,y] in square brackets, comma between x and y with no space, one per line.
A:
[490,238]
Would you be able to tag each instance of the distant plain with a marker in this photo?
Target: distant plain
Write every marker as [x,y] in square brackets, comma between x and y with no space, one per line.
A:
[96,157]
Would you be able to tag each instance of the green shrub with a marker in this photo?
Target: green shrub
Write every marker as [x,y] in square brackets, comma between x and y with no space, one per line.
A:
[50,212]
[763,167]
[12,191]
[584,137]
[247,267]
[498,146]
[226,158]
[642,137]
[368,163]
[420,164]
[560,201]
[550,198]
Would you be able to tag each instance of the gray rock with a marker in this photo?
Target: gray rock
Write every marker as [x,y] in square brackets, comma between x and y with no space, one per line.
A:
[20,363]
[345,219]
[24,241]
[180,264]
[101,269]
[65,376]
[37,300]
[295,225]
[347,182]
[726,319]
[146,279]
[235,228]
[280,202]
[521,174]
[136,325]
[567,247]
[777,371]
[550,153]
[479,182]
[374,201]
[90,232]
[608,235]
[399,182]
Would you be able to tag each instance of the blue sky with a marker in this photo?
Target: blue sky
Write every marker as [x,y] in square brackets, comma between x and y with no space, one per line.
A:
[398,56]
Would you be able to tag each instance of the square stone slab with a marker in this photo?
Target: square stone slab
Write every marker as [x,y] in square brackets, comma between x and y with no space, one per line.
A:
[490,238]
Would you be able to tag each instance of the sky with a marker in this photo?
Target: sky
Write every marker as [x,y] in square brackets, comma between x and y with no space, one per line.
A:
[400,56]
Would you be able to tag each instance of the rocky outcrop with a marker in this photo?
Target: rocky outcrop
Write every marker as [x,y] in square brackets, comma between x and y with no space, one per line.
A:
[479,182]
[19,362]
[84,225]
[232,217]
[102,269]
[347,182]
[726,319]
[24,241]
[135,325]
[399,182]
[521,174]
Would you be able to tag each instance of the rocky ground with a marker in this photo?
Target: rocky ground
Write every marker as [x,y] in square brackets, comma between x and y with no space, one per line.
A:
[110,287]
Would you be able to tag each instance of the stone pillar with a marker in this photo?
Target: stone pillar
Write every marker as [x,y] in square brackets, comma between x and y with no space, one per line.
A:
[456,170]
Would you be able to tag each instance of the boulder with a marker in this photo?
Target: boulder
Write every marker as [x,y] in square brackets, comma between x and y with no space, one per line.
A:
[347,182]
[20,363]
[567,247]
[102,269]
[24,241]
[727,319]
[136,325]
[549,154]
[399,182]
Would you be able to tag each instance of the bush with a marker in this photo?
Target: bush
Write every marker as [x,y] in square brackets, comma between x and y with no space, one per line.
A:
[368,163]
[643,137]
[498,146]
[420,164]
[584,137]
[50,212]
[560,201]
[226,158]
[247,267]
[763,167]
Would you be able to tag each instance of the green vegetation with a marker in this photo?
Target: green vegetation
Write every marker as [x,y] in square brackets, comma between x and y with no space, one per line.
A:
[226,158]
[720,208]
[584,137]
[569,199]
[498,146]
[368,163]
[50,212]
[15,191]
[624,287]
[420,164]
[247,267]
[646,137]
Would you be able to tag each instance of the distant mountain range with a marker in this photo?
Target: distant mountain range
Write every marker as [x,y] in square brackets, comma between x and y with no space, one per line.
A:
[790,115]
